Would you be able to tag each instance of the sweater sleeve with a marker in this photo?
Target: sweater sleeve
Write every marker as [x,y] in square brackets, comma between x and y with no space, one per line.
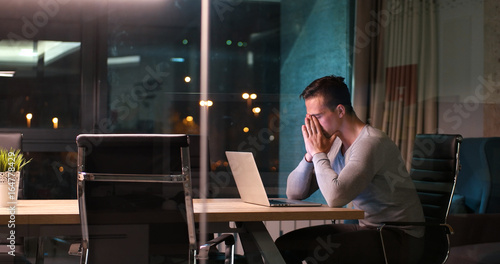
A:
[360,167]
[301,182]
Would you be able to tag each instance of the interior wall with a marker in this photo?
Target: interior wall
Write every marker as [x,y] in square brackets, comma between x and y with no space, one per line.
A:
[469,67]
[313,44]
[460,70]
[492,68]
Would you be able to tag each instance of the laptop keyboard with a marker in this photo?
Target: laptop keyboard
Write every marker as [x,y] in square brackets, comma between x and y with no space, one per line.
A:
[278,202]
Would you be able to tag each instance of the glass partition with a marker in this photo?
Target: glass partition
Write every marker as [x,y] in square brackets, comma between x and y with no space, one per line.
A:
[261,55]
[118,66]
[124,66]
[40,83]
[41,91]
[40,64]
[153,66]
[121,66]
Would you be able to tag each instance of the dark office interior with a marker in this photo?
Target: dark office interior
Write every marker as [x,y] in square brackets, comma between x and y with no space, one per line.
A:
[72,67]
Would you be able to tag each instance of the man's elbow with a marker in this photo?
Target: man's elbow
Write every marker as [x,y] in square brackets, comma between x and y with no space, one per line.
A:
[336,201]
[292,195]
[295,195]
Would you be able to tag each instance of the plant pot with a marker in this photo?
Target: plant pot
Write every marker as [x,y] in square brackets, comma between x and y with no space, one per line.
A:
[9,188]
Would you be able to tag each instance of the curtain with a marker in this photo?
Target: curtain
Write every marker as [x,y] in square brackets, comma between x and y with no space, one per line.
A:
[400,80]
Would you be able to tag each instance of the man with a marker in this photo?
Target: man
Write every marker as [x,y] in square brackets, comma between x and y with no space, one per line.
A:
[350,161]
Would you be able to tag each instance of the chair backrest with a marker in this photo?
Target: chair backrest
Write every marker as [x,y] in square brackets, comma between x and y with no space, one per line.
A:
[11,140]
[134,193]
[434,169]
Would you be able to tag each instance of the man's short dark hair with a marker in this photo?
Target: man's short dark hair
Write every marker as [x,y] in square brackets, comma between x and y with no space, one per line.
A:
[332,89]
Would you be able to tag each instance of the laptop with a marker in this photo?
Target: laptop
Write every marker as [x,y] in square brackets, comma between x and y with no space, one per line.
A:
[249,184]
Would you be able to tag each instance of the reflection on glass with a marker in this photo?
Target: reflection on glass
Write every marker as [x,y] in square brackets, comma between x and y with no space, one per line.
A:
[40,78]
[256,110]
[50,175]
[7,73]
[29,116]
[24,54]
[55,122]
[206,103]
[160,88]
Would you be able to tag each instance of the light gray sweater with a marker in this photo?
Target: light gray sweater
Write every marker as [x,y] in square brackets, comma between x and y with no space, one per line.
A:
[374,178]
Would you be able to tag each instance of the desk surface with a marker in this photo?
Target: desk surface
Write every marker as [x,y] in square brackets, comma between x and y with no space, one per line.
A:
[43,212]
[224,210]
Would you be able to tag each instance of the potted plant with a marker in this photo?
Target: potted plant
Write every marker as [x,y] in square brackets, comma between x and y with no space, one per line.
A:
[11,163]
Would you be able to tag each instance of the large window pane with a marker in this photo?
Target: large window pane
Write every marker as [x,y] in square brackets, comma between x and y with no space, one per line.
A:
[269,50]
[41,79]
[40,65]
[153,66]
[245,86]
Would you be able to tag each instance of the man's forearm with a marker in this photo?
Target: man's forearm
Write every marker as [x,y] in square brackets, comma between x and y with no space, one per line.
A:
[299,181]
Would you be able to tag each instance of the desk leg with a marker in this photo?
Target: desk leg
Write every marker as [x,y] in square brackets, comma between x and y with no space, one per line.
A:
[257,239]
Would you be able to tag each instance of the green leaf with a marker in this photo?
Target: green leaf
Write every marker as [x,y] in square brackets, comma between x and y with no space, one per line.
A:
[12,160]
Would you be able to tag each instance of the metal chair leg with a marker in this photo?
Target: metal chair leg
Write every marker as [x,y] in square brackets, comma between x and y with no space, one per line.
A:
[382,241]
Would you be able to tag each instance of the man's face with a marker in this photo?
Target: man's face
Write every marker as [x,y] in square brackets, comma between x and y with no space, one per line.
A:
[329,121]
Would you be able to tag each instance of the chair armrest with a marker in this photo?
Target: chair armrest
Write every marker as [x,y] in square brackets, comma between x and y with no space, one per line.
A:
[229,242]
[75,249]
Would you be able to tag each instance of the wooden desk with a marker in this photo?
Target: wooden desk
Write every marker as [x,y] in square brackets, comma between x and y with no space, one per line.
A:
[42,218]
[42,212]
[62,212]
[253,234]
[225,210]
[255,238]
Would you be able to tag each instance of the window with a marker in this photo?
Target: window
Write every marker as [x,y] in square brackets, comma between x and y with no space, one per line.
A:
[134,67]
[40,83]
[42,96]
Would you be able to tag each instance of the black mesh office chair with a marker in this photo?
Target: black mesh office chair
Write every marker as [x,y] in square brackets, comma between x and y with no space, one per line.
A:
[434,170]
[135,199]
